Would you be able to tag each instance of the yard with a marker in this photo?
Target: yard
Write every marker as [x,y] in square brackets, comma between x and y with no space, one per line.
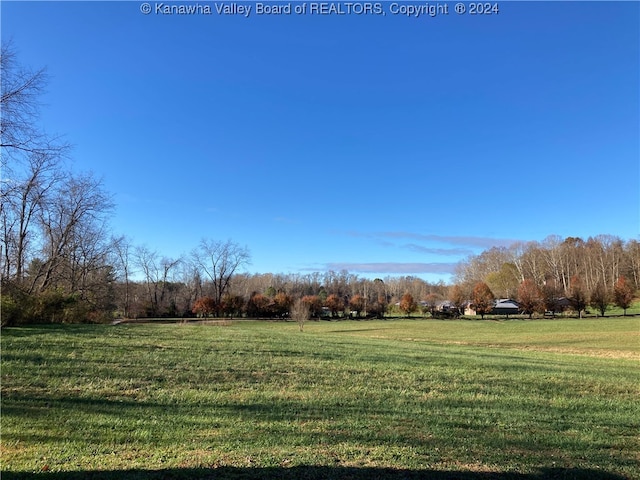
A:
[352,399]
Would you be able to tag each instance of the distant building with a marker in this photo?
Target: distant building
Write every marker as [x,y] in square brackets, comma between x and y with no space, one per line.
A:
[505,306]
[558,305]
[502,306]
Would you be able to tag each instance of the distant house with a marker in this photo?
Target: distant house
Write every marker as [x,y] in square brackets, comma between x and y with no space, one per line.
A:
[445,309]
[502,306]
[558,305]
[468,308]
[441,306]
[505,306]
[444,306]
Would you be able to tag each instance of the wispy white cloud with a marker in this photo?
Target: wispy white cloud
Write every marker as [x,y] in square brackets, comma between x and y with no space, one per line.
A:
[437,251]
[391,267]
[464,240]
[431,245]
[470,241]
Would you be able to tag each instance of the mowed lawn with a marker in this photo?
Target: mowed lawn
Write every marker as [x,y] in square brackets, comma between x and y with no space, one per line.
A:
[353,399]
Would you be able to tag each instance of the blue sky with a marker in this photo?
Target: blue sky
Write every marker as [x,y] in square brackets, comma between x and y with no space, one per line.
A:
[382,144]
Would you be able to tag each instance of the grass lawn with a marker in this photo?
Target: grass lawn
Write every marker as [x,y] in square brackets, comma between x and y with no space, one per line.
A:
[394,399]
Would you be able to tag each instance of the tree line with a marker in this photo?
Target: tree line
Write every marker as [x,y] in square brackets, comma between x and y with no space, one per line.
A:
[206,282]
[61,263]
[555,274]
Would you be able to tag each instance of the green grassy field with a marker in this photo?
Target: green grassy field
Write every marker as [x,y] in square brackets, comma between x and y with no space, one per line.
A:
[377,399]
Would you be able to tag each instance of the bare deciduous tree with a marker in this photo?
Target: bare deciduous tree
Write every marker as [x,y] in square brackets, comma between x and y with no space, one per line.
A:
[23,198]
[122,260]
[72,223]
[20,106]
[30,162]
[219,261]
[157,275]
[300,312]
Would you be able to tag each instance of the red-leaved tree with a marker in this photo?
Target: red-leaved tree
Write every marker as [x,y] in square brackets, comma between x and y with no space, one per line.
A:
[281,304]
[258,305]
[482,299]
[357,304]
[335,304]
[379,307]
[204,306]
[407,304]
[529,297]
[600,298]
[623,294]
[578,298]
[232,305]
[457,299]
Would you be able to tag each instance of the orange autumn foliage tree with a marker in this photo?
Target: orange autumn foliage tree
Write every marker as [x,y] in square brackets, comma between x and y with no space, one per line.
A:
[356,304]
[204,306]
[407,304]
[623,294]
[314,304]
[335,304]
[482,298]
[530,297]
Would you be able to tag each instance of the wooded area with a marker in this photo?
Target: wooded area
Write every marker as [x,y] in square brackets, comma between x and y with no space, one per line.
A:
[61,263]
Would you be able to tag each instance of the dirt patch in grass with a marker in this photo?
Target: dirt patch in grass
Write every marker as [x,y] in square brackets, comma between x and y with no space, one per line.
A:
[589,352]
[599,353]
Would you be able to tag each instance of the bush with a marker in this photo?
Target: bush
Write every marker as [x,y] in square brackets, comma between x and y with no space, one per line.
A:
[53,306]
[11,313]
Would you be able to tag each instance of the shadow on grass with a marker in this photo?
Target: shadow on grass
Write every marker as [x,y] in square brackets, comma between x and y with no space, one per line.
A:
[315,473]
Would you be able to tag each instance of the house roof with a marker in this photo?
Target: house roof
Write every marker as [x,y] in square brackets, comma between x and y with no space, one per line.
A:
[506,303]
[444,303]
